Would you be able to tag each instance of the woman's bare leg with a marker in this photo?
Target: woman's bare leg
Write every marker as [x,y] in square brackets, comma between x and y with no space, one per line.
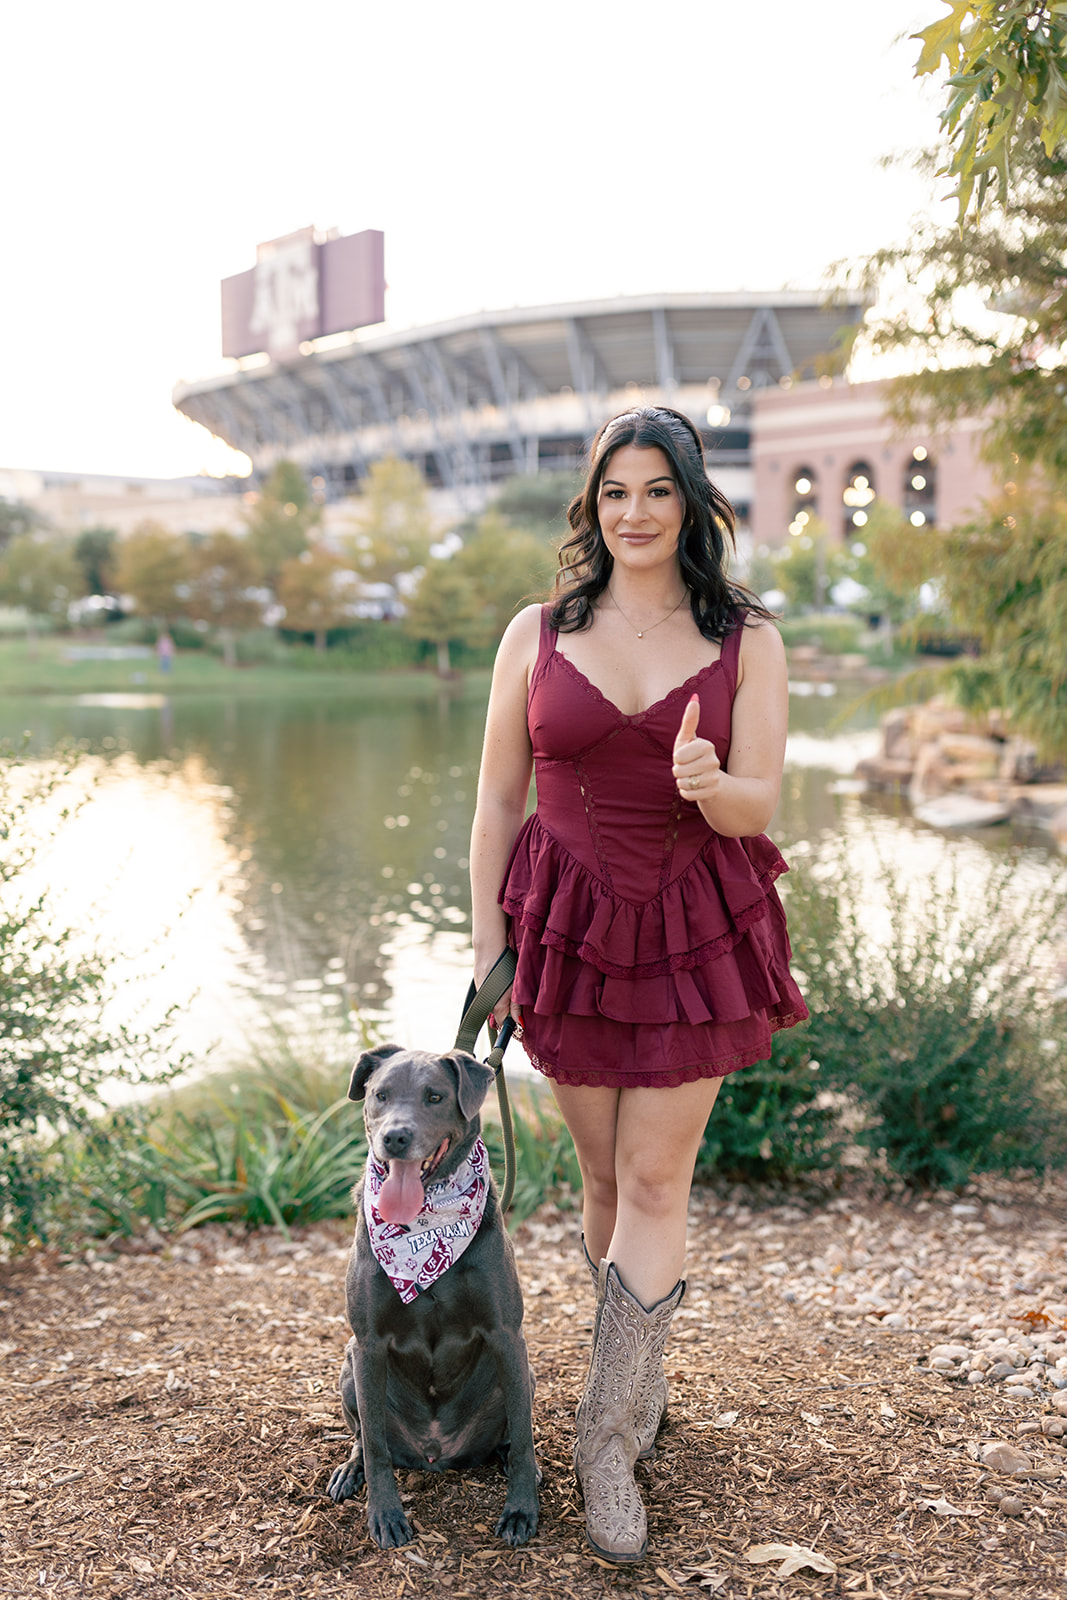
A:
[590,1115]
[657,1137]
[636,1150]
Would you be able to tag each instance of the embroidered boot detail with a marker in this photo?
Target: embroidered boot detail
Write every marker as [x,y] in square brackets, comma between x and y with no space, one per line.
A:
[627,1339]
[653,1393]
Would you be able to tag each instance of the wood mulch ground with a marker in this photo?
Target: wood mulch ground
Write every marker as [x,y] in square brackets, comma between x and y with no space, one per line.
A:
[170,1423]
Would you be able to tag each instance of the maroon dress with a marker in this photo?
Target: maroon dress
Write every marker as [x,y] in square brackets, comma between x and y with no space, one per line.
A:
[652,951]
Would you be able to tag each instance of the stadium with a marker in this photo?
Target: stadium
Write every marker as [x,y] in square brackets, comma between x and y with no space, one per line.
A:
[486,396]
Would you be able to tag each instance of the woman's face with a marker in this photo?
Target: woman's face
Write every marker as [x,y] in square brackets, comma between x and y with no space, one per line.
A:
[640,508]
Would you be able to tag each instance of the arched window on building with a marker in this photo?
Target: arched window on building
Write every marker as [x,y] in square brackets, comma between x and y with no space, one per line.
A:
[801,498]
[858,495]
[920,489]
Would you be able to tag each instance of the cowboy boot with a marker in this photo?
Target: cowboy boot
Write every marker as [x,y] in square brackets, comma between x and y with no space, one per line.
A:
[627,1339]
[652,1395]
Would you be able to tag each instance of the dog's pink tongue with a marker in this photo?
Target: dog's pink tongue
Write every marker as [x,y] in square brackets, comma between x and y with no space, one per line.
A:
[401,1196]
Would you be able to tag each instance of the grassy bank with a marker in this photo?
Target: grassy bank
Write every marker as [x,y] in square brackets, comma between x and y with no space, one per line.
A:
[53,668]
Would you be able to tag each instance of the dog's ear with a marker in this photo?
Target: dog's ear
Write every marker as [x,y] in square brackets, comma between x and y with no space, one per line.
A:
[472,1077]
[366,1064]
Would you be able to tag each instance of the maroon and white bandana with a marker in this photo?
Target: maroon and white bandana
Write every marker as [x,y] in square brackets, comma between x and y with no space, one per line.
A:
[414,1256]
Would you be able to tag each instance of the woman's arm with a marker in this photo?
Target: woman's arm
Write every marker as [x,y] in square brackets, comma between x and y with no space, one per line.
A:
[740,801]
[503,785]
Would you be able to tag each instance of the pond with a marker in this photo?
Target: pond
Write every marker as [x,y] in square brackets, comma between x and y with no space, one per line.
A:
[303,858]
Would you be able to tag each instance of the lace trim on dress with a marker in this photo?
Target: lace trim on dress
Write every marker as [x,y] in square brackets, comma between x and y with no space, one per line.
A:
[672,1079]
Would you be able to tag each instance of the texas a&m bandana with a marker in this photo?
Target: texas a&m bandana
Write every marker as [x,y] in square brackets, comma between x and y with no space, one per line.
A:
[414,1256]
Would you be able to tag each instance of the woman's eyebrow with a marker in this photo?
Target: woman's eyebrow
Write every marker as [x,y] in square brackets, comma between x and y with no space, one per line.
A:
[664,477]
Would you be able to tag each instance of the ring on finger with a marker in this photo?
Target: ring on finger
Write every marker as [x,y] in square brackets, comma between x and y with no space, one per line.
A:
[694,783]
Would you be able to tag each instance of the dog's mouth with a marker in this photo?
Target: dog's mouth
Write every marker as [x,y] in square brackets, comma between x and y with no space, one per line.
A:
[401,1197]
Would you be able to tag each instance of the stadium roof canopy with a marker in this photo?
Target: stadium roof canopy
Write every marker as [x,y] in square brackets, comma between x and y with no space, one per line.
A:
[497,393]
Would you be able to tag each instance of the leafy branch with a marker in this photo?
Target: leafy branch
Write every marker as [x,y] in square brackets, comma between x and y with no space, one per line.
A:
[1007,62]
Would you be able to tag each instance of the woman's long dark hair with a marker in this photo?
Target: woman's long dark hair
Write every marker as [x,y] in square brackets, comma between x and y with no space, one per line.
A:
[706,538]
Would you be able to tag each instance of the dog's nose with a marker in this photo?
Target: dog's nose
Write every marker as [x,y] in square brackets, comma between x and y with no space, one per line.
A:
[397,1142]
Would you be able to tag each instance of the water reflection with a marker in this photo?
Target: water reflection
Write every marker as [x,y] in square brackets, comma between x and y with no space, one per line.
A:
[339,830]
[305,856]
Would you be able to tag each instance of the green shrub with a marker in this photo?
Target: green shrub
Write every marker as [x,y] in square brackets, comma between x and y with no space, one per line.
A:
[834,636]
[932,1017]
[58,1049]
[771,1123]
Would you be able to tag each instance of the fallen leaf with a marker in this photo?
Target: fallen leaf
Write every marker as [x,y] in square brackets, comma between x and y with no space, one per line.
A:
[725,1419]
[707,1578]
[792,1557]
[944,1509]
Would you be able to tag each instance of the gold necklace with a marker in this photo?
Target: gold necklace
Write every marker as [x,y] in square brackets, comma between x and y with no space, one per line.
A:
[642,631]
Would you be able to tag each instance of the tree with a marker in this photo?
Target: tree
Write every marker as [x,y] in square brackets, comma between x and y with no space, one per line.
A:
[983,323]
[505,566]
[471,596]
[154,567]
[444,610]
[1004,579]
[805,570]
[1006,61]
[282,519]
[40,575]
[223,582]
[94,550]
[16,518]
[890,560]
[395,531]
[316,589]
[537,502]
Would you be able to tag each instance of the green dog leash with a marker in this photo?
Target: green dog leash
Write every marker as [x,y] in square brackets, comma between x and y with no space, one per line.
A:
[479,1004]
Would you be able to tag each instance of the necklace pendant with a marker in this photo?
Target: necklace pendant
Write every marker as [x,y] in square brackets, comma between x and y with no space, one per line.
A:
[640,636]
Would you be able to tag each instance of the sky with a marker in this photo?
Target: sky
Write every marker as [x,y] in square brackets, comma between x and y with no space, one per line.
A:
[512,155]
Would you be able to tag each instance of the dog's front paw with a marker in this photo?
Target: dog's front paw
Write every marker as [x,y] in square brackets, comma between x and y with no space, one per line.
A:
[518,1524]
[389,1527]
[347,1480]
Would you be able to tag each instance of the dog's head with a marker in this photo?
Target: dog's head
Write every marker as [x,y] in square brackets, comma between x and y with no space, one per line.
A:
[421,1115]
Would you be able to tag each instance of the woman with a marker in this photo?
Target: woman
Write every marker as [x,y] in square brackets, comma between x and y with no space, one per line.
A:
[653,956]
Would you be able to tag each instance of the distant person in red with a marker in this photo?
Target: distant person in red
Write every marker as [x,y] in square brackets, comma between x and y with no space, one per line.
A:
[650,695]
[165,651]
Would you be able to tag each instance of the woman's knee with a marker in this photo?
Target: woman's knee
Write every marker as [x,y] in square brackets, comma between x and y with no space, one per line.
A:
[598,1182]
[653,1192]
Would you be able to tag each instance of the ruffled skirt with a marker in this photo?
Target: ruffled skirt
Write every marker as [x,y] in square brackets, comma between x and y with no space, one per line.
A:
[689,984]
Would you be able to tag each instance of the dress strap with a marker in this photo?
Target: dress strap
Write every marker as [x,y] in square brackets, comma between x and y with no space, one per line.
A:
[731,654]
[546,649]
[549,636]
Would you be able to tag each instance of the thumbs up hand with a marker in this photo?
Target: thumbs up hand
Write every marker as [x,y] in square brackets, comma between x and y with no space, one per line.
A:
[696,766]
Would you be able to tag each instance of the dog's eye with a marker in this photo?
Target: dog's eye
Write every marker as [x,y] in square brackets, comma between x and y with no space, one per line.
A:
[434,1097]
[381,1094]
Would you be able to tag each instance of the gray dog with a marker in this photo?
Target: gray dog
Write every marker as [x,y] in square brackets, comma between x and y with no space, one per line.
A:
[436,1374]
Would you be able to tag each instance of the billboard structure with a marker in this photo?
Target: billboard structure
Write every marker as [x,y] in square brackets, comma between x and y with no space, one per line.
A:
[303,287]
